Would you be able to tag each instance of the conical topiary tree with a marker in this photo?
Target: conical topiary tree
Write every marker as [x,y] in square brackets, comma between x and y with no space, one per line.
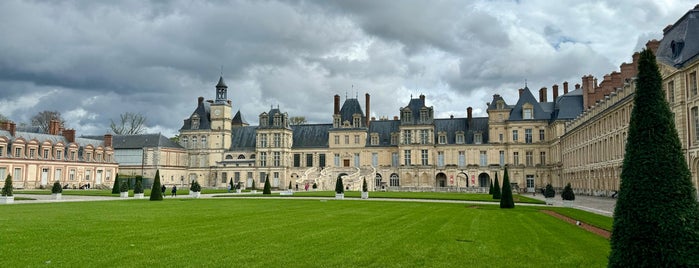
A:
[115,187]
[56,189]
[490,190]
[506,200]
[567,193]
[364,186]
[339,187]
[124,187]
[549,192]
[496,188]
[268,188]
[7,189]
[253,185]
[155,193]
[138,187]
[230,184]
[656,218]
[289,186]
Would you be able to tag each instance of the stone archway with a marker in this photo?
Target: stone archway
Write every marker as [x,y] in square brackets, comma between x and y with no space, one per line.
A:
[441,180]
[378,183]
[483,180]
[462,177]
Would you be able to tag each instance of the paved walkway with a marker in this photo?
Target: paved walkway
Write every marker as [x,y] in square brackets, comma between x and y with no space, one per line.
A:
[598,205]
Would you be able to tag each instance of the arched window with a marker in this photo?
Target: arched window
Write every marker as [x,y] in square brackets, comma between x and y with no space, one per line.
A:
[203,142]
[394,181]
[242,156]
[229,157]
[252,156]
[184,141]
[194,141]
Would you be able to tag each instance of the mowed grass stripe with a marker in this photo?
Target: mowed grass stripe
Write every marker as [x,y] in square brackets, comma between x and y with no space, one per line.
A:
[289,232]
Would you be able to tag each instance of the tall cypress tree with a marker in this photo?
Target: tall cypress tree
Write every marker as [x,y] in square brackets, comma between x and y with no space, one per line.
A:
[496,188]
[656,219]
[155,193]
[490,190]
[268,188]
[115,188]
[506,200]
[339,187]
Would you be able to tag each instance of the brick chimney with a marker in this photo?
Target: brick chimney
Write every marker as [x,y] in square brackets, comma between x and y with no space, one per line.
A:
[565,87]
[469,112]
[337,105]
[200,100]
[69,134]
[422,98]
[54,127]
[367,97]
[542,94]
[520,92]
[395,117]
[107,140]
[577,86]
[12,128]
[555,92]
[653,45]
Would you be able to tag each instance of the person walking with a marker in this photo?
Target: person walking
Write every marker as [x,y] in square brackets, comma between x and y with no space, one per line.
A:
[174,190]
[162,189]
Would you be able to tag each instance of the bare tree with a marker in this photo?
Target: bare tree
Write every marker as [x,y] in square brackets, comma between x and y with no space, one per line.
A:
[297,120]
[43,118]
[130,124]
[3,118]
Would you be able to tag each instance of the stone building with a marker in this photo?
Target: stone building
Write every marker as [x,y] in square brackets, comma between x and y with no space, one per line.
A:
[36,160]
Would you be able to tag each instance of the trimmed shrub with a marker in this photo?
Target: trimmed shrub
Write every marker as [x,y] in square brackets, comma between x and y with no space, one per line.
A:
[56,188]
[549,192]
[115,187]
[315,186]
[289,185]
[7,189]
[567,193]
[364,187]
[656,218]
[124,187]
[268,188]
[138,188]
[195,186]
[506,200]
[339,187]
[230,183]
[155,193]
[496,188]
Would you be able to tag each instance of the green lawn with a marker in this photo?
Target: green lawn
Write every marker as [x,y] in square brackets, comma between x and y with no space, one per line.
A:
[184,191]
[590,218]
[290,232]
[413,195]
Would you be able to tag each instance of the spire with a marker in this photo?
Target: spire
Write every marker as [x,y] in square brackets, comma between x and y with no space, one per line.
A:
[221,91]
[221,83]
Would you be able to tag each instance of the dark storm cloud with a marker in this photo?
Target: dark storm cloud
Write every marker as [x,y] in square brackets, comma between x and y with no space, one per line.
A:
[93,60]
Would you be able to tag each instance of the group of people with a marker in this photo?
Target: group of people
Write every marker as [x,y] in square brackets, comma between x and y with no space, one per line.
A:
[173,191]
[305,187]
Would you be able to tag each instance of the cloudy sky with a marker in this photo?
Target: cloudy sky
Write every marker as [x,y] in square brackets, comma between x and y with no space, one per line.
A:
[94,60]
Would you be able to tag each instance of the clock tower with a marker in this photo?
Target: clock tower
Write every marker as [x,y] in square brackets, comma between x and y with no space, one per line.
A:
[221,116]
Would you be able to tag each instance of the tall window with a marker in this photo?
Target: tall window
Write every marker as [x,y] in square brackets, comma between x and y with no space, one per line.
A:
[515,158]
[406,137]
[502,158]
[542,158]
[374,139]
[336,159]
[695,120]
[276,159]
[440,159]
[500,137]
[406,158]
[18,152]
[394,181]
[528,135]
[394,139]
[542,134]
[527,113]
[375,159]
[277,140]
[194,142]
[425,157]
[484,158]
[263,159]
[337,139]
[309,160]
[346,139]
[394,159]
[424,136]
[356,139]
[88,174]
[693,83]
[529,158]
[460,138]
[263,140]
[478,138]
[184,141]
[71,174]
[297,160]
[442,139]
[462,158]
[356,160]
[203,142]
[321,160]
[671,92]
[515,135]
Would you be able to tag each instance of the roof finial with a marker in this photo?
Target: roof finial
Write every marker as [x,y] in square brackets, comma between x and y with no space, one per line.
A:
[221,70]
[525,82]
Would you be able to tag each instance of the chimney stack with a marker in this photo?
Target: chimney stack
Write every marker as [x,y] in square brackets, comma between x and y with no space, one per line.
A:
[577,86]
[542,94]
[337,105]
[107,140]
[520,92]
[565,87]
[422,98]
[69,134]
[200,100]
[12,128]
[469,112]
[395,117]
[555,92]
[368,108]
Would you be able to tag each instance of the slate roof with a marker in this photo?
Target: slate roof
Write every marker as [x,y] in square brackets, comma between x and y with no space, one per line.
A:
[221,83]
[493,104]
[311,135]
[349,108]
[203,110]
[527,97]
[384,128]
[680,43]
[139,141]
[453,125]
[244,138]
[569,106]
[238,119]
[41,137]
[415,105]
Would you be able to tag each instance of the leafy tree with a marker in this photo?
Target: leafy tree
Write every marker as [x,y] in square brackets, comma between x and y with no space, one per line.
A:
[56,188]
[656,218]
[155,193]
[115,187]
[268,188]
[506,200]
[129,124]
[339,187]
[364,186]
[7,189]
[496,188]
[3,118]
[42,119]
[567,193]
[138,188]
[549,192]
[297,120]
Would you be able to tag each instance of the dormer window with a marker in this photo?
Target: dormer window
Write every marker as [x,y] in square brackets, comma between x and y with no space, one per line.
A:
[527,111]
[374,139]
[424,115]
[356,120]
[264,120]
[442,138]
[676,47]
[277,120]
[460,138]
[336,121]
[500,104]
[407,116]
[478,138]
[195,121]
